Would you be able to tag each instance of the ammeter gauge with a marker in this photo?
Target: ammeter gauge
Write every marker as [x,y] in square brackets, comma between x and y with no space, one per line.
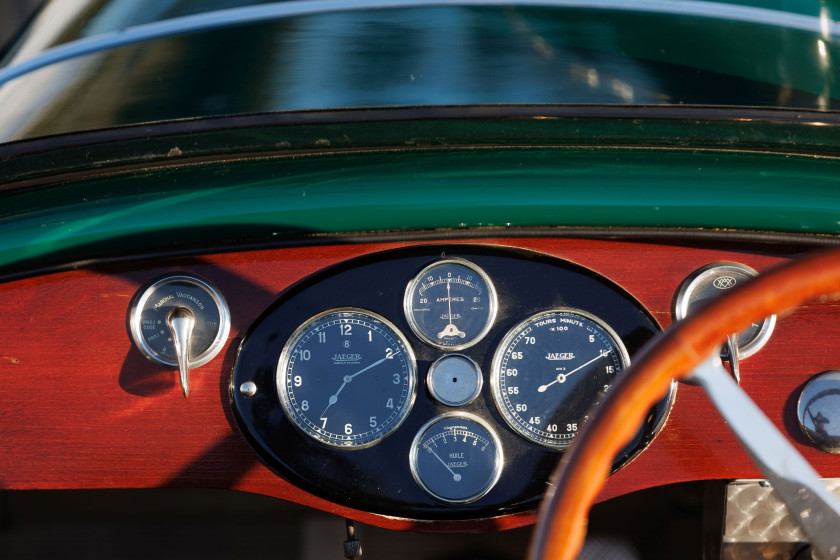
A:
[451,304]
[456,458]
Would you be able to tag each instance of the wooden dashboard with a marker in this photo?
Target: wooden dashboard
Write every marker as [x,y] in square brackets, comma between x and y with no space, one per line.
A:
[81,408]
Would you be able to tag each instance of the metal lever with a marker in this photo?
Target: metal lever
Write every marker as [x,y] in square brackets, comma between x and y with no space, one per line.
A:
[181,322]
[796,482]
[733,357]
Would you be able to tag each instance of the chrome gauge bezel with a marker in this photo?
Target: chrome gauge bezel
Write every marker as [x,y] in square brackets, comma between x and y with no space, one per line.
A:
[439,394]
[322,436]
[497,466]
[408,304]
[136,328]
[385,484]
[496,373]
[821,387]
[698,278]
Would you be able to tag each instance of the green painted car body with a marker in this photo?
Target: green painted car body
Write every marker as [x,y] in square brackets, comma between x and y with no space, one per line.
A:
[346,119]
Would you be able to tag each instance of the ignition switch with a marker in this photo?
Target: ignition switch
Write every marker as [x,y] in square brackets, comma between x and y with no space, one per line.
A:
[180,321]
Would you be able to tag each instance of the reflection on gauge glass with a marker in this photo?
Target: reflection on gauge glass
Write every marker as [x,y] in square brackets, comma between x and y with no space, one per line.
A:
[456,458]
[551,369]
[713,280]
[451,304]
[818,411]
[347,378]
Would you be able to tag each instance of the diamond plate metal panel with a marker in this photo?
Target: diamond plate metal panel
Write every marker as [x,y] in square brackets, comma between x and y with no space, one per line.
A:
[754,513]
[758,524]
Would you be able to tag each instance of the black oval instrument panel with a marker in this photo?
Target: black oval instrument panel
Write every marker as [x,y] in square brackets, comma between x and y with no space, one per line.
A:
[378,478]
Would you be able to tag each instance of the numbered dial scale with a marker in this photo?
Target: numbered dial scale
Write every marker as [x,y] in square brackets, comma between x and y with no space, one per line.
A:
[550,369]
[376,475]
[456,458]
[451,304]
[347,378]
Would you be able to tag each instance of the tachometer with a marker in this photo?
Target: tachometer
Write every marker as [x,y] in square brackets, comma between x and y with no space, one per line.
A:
[550,369]
[347,378]
[451,304]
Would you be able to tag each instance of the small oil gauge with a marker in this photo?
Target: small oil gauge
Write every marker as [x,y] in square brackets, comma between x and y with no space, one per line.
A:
[456,458]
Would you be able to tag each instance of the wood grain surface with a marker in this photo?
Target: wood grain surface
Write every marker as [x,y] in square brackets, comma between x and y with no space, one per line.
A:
[80,407]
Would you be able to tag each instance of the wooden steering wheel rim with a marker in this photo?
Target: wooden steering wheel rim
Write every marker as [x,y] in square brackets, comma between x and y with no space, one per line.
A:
[674,354]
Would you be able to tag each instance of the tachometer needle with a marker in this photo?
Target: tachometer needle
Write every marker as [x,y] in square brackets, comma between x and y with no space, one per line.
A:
[455,476]
[561,377]
[349,378]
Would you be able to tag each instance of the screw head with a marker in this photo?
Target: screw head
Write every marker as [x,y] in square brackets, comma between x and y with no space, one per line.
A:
[249,389]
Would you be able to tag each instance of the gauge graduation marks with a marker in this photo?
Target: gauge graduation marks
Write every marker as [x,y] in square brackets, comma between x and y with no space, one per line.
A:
[456,458]
[450,304]
[347,378]
[550,369]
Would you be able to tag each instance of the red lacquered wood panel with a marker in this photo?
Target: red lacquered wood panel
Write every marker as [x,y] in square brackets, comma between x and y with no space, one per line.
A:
[81,408]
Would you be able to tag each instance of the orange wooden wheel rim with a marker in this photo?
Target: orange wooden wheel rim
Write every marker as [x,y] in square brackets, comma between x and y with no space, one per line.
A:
[584,469]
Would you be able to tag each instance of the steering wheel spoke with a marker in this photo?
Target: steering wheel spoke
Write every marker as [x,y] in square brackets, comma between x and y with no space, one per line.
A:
[675,355]
[795,481]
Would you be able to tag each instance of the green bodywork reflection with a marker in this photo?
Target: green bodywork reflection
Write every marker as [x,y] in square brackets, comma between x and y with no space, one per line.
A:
[421,190]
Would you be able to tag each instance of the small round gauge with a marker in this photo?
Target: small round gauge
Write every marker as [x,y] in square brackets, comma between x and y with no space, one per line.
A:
[713,280]
[454,380]
[347,378]
[451,304]
[551,369]
[818,411]
[149,319]
[456,458]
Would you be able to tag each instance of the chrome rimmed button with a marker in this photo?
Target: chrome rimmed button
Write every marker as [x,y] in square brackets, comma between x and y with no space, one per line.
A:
[454,380]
